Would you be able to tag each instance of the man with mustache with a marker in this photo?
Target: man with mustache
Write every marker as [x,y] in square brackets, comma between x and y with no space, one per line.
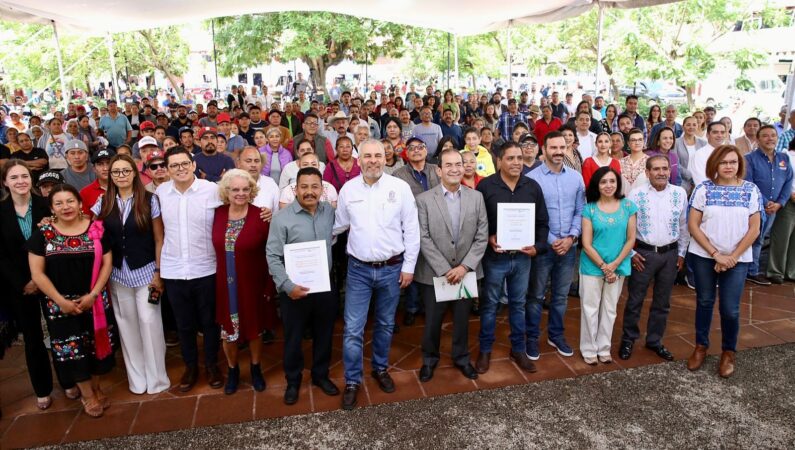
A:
[660,247]
[179,122]
[304,220]
[211,165]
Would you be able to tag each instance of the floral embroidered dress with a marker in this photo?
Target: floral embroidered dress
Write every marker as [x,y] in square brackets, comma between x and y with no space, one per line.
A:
[68,264]
[233,228]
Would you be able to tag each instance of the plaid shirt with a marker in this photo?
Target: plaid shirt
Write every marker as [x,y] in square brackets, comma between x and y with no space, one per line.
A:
[508,121]
[783,140]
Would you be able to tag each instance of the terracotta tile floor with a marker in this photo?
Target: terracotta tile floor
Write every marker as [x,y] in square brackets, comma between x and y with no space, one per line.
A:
[768,318]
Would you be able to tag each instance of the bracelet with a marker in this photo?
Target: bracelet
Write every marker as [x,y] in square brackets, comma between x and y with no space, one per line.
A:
[713,253]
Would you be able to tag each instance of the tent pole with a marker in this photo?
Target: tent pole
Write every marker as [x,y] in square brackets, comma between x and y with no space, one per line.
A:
[109,39]
[455,47]
[448,60]
[64,97]
[215,60]
[510,56]
[599,48]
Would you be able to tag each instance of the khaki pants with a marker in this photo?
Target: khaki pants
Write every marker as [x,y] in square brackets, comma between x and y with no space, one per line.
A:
[598,314]
[782,244]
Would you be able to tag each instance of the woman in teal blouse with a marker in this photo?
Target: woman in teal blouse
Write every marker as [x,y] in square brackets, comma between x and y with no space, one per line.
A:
[608,235]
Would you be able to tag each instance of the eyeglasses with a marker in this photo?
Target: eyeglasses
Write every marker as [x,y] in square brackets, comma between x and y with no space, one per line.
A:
[120,173]
[156,166]
[636,141]
[311,124]
[416,148]
[182,165]
[729,163]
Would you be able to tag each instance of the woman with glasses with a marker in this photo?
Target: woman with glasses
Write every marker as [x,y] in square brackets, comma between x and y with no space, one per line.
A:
[133,226]
[723,220]
[242,281]
[633,166]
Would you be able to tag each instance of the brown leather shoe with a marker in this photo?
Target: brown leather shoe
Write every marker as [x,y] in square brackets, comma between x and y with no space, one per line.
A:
[482,364]
[726,366]
[697,358]
[524,363]
[214,377]
[189,378]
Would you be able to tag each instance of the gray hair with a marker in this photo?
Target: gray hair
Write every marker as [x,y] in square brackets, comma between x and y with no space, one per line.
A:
[230,174]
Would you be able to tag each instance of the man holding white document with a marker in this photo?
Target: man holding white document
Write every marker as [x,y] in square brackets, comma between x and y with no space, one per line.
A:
[454,233]
[518,230]
[299,258]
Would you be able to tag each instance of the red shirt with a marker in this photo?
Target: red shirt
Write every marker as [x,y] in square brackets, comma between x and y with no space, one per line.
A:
[589,166]
[542,128]
[90,194]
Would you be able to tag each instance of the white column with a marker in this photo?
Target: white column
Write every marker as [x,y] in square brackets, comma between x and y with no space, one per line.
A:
[109,39]
[599,49]
[61,73]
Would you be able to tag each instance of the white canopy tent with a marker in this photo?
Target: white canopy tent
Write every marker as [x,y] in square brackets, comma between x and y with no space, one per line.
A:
[460,17]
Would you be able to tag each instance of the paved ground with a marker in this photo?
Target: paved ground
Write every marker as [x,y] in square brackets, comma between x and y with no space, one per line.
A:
[659,406]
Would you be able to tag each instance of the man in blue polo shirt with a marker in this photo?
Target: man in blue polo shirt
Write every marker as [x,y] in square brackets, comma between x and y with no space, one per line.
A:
[116,127]
[772,173]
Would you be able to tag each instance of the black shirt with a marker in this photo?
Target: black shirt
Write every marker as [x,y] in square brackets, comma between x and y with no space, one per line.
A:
[559,110]
[34,154]
[527,190]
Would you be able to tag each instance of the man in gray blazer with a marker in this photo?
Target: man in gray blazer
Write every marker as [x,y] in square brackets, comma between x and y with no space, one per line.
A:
[453,237]
[421,176]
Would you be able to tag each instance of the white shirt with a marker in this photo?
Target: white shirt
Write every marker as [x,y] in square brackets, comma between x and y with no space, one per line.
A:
[268,195]
[290,171]
[587,144]
[265,101]
[662,216]
[725,211]
[329,193]
[382,220]
[188,222]
[698,164]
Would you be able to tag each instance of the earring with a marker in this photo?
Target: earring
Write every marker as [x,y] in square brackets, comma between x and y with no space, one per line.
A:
[54,219]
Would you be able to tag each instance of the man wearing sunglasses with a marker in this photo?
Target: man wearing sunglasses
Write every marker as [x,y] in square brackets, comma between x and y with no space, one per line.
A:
[156,169]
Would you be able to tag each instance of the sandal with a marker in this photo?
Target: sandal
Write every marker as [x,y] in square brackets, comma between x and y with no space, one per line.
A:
[43,402]
[102,399]
[72,393]
[92,407]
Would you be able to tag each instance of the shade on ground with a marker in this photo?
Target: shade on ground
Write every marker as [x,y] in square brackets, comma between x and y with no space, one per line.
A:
[767,318]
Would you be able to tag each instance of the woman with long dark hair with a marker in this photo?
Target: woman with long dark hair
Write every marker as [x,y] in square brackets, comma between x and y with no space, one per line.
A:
[131,216]
[663,144]
[70,263]
[608,235]
[655,116]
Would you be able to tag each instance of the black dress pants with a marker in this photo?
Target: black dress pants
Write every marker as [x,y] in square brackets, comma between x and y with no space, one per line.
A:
[318,312]
[194,309]
[431,336]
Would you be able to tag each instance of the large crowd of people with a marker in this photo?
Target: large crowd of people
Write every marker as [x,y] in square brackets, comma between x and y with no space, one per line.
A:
[148,223]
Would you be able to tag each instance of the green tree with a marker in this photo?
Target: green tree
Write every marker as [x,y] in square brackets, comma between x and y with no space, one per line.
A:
[320,39]
[33,62]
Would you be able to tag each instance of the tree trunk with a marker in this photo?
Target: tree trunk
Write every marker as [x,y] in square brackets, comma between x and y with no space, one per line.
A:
[88,86]
[691,103]
[160,64]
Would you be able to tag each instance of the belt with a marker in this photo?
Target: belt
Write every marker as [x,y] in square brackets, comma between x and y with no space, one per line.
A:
[393,261]
[656,248]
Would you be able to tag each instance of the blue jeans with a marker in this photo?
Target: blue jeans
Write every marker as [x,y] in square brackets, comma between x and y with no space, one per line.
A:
[499,269]
[561,269]
[756,248]
[365,282]
[730,289]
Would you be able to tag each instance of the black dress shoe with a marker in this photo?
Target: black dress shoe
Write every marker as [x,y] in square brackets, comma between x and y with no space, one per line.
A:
[384,380]
[662,352]
[291,395]
[349,396]
[625,351]
[326,386]
[408,319]
[468,371]
[189,378]
[426,373]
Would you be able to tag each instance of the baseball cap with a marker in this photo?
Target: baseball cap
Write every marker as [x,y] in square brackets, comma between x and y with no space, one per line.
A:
[75,144]
[207,130]
[147,140]
[147,125]
[102,154]
[155,156]
[50,176]
[223,117]
[184,129]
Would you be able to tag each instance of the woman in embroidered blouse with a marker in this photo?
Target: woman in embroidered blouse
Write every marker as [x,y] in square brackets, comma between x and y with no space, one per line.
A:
[274,155]
[20,211]
[344,167]
[633,166]
[62,258]
[608,235]
[601,158]
[130,214]
[242,280]
[663,144]
[393,160]
[724,221]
